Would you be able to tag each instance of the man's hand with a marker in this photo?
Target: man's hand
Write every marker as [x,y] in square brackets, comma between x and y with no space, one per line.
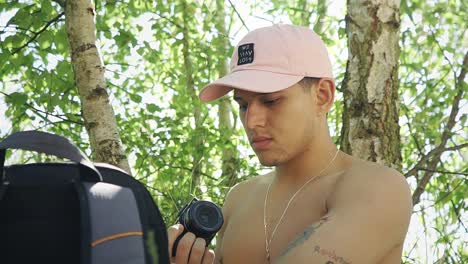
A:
[190,249]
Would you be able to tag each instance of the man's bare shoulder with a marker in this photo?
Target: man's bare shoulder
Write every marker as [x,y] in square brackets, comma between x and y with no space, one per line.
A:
[244,189]
[366,223]
[372,181]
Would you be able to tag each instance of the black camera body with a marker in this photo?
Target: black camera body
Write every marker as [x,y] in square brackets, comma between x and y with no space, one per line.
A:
[202,218]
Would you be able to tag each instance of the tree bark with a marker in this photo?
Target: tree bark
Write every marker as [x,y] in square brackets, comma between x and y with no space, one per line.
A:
[370,115]
[322,7]
[229,156]
[98,115]
[305,14]
[190,86]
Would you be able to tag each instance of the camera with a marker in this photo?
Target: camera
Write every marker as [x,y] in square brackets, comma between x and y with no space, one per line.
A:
[202,218]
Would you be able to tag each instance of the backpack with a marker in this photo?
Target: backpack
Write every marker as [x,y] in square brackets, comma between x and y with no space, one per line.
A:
[78,212]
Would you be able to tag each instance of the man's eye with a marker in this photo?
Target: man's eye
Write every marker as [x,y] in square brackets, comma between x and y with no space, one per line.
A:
[242,108]
[271,102]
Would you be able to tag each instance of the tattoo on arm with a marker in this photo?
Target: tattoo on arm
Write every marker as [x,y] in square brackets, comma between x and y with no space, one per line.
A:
[331,255]
[304,235]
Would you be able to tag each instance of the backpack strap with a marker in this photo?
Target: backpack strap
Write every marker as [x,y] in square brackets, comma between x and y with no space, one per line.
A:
[3,188]
[116,230]
[51,144]
[85,223]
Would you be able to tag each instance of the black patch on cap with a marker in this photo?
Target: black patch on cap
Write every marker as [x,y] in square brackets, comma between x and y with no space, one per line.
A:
[246,54]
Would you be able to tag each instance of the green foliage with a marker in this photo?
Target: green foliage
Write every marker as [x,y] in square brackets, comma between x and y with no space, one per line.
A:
[432,36]
[142,43]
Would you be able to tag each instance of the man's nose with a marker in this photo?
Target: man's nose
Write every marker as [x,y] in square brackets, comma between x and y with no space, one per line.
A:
[255,116]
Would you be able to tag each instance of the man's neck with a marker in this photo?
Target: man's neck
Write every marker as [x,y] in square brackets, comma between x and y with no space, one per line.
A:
[316,159]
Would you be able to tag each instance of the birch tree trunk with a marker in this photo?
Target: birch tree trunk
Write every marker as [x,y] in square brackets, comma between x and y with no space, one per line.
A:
[99,118]
[370,115]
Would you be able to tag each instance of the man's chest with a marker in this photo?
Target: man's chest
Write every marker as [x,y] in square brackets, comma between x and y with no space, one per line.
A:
[244,238]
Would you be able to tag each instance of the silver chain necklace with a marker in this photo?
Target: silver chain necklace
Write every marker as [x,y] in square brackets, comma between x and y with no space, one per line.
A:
[268,242]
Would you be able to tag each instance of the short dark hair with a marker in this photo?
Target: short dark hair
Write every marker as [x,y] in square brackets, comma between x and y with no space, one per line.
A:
[308,82]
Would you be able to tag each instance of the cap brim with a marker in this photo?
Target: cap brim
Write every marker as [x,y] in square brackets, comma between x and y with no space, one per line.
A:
[249,80]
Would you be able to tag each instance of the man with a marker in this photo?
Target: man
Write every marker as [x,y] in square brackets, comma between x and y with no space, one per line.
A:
[319,205]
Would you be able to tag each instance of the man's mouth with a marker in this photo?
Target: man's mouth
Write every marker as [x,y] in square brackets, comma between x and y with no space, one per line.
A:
[261,143]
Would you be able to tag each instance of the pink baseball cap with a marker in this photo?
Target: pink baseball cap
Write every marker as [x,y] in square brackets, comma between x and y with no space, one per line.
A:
[271,59]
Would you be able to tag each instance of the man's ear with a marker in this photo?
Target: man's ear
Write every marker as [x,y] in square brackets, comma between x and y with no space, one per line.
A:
[325,94]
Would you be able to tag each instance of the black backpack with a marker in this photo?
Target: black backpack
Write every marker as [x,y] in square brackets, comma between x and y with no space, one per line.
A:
[79,212]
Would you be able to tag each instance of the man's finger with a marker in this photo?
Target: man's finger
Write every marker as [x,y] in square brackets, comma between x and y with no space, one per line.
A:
[198,249]
[172,233]
[184,247]
[208,257]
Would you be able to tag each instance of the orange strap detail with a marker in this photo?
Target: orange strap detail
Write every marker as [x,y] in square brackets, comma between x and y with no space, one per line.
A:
[116,236]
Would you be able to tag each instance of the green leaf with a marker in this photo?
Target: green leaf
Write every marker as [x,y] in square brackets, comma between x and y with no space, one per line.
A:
[141,51]
[135,98]
[108,34]
[18,98]
[46,7]
[342,32]
[152,108]
[61,41]
[46,39]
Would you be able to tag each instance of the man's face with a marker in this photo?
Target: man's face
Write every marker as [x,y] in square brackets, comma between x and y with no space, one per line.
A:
[279,125]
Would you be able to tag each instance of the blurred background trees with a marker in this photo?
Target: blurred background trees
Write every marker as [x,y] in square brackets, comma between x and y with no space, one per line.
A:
[159,54]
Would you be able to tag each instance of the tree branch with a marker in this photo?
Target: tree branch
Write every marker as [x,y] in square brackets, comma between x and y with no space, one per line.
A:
[457,147]
[410,129]
[36,34]
[457,213]
[168,19]
[61,117]
[441,49]
[437,152]
[235,10]
[191,170]
[441,198]
[266,19]
[443,172]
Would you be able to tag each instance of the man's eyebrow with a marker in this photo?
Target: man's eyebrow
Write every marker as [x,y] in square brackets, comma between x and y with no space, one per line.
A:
[269,94]
[262,95]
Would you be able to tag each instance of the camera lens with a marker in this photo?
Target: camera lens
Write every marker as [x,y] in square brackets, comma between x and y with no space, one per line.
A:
[202,218]
[206,217]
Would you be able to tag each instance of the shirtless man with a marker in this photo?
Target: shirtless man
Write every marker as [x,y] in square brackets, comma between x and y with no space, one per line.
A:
[318,205]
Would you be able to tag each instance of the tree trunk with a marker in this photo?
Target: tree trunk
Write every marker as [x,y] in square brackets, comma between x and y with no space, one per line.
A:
[99,118]
[305,14]
[322,6]
[370,115]
[229,156]
[190,86]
